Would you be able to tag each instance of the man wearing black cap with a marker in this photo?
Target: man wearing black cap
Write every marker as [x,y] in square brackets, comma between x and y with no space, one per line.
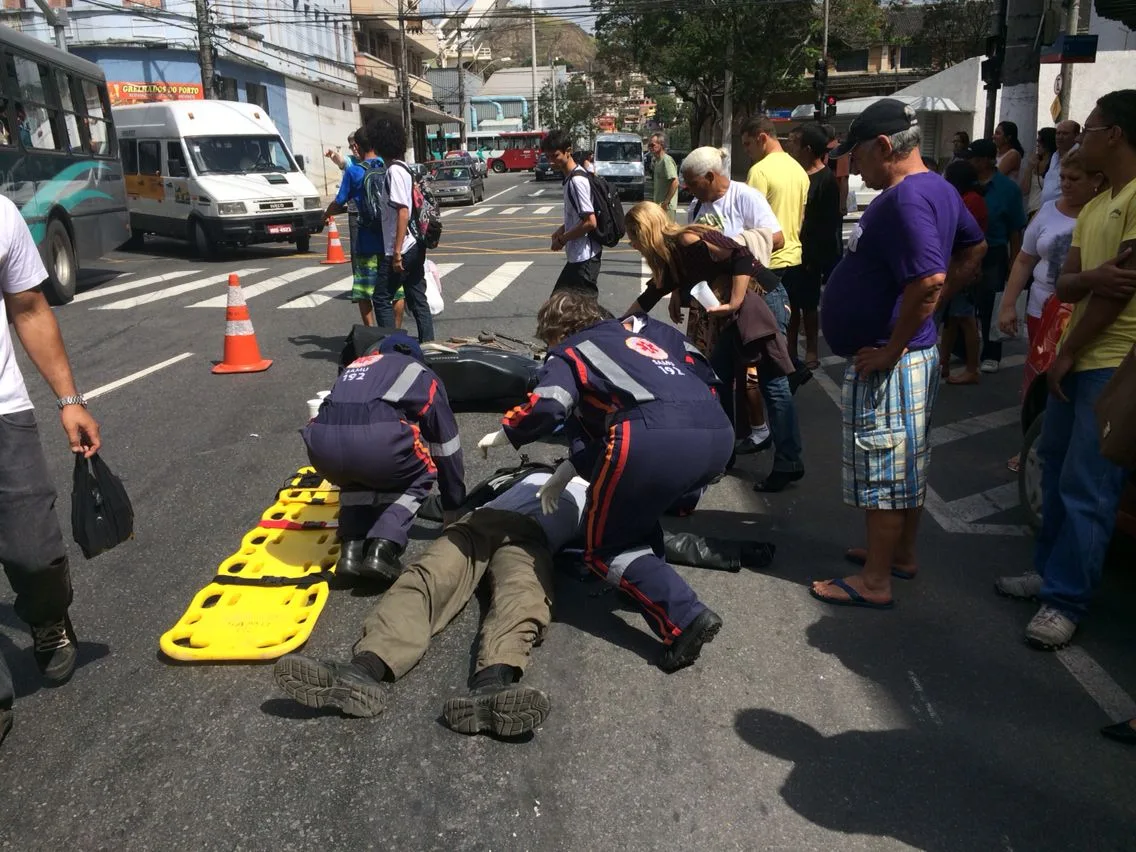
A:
[915,239]
[384,436]
[1005,221]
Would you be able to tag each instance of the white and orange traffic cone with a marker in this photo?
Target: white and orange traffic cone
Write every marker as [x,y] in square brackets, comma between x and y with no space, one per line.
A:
[242,355]
[334,247]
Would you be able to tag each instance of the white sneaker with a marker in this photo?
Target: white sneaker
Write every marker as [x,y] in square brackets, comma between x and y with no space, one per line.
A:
[990,366]
[1025,586]
[1050,630]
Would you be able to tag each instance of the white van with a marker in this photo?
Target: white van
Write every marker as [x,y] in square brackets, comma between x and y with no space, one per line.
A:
[619,161]
[213,173]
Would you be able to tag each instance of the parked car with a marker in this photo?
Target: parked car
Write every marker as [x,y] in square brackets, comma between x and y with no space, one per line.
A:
[457,184]
[619,161]
[1034,397]
[543,169]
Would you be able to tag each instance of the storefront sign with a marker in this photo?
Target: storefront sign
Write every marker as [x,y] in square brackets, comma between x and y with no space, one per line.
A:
[139,93]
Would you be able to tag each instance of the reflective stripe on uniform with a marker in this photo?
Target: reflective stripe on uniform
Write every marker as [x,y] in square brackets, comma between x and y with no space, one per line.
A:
[450,447]
[619,564]
[411,504]
[615,373]
[555,393]
[403,383]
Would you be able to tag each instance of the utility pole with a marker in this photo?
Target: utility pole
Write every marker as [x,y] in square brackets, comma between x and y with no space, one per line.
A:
[1072,27]
[57,20]
[992,66]
[205,49]
[461,92]
[824,46]
[404,79]
[728,103]
[552,65]
[535,101]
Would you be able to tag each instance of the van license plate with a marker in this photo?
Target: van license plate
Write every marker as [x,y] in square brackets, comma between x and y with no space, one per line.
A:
[279,229]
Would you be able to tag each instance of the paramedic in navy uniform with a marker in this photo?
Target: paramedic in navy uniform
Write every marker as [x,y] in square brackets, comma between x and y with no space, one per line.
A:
[628,404]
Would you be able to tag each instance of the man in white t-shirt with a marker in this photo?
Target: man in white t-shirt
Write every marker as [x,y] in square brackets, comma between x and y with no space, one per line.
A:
[582,271]
[31,542]
[733,207]
[405,252]
[1065,135]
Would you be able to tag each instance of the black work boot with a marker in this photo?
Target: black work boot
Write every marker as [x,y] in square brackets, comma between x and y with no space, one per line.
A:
[496,705]
[381,564]
[54,649]
[351,555]
[684,650]
[318,683]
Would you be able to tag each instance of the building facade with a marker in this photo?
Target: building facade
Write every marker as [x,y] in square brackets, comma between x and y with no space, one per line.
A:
[293,59]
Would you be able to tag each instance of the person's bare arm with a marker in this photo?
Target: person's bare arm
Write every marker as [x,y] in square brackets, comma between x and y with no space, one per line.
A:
[672,188]
[401,223]
[1015,245]
[38,331]
[1071,286]
[778,240]
[918,303]
[963,270]
[1010,162]
[1020,273]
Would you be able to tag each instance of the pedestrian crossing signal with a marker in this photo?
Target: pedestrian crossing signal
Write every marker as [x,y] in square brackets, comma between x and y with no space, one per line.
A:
[830,106]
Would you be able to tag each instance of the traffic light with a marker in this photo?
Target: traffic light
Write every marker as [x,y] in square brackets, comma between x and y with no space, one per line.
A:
[991,68]
[820,77]
[829,106]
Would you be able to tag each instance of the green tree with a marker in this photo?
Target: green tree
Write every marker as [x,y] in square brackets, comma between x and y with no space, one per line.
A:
[666,109]
[576,110]
[951,31]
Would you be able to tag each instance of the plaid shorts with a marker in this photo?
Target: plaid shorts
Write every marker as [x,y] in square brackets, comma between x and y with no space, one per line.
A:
[365,276]
[887,423]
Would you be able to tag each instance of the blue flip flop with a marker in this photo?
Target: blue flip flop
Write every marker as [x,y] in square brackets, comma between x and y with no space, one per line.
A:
[898,573]
[854,597]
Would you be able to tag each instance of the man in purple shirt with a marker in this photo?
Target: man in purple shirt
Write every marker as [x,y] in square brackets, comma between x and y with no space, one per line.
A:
[916,241]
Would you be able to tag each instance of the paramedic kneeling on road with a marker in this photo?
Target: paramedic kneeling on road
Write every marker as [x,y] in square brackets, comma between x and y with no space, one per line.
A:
[635,405]
[370,438]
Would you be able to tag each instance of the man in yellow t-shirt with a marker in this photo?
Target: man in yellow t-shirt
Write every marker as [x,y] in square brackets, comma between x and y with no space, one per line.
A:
[785,185]
[1081,489]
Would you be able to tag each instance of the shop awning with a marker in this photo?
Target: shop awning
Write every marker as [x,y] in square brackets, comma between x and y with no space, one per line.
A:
[852,107]
[420,113]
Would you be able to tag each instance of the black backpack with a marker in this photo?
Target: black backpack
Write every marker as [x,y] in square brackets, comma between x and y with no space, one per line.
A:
[609,209]
[101,514]
[371,205]
[425,222]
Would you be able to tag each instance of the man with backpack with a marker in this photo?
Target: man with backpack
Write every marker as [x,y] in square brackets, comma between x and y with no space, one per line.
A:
[575,237]
[403,212]
[368,270]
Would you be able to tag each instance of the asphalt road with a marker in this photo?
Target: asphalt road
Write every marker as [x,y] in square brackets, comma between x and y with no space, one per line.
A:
[932,726]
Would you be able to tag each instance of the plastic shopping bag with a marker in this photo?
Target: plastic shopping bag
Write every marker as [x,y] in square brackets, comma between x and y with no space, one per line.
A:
[101,514]
[434,289]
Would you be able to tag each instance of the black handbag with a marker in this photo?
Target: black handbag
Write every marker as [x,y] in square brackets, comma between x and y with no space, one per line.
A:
[101,514]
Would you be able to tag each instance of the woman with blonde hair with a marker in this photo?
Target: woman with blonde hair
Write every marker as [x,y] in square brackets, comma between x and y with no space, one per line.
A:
[680,258]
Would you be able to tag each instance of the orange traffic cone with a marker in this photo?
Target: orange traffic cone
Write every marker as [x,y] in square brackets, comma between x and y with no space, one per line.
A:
[242,355]
[334,247]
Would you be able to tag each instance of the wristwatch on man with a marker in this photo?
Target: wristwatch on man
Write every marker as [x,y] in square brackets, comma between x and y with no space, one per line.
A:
[76,399]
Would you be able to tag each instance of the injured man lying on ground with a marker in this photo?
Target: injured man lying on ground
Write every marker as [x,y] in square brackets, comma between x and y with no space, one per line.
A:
[508,537]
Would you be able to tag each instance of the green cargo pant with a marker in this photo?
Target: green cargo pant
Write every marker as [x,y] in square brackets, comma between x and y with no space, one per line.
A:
[435,588]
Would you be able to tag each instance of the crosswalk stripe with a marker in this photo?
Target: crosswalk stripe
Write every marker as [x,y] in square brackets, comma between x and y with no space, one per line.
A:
[480,211]
[324,294]
[495,282]
[445,269]
[509,211]
[257,289]
[449,212]
[538,192]
[132,285]
[540,211]
[170,292]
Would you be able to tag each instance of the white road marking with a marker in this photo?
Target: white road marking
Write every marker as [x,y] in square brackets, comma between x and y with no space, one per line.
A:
[480,211]
[540,211]
[989,502]
[132,285]
[509,211]
[498,194]
[449,212]
[125,380]
[266,286]
[1106,692]
[170,292]
[320,296]
[491,286]
[975,425]
[536,193]
[921,694]
[445,269]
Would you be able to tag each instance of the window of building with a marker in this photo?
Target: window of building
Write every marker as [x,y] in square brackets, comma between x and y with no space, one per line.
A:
[256,93]
[914,57]
[149,158]
[35,121]
[129,151]
[227,88]
[856,60]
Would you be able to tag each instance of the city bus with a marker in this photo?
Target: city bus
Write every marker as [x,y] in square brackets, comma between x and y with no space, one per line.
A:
[59,157]
[503,150]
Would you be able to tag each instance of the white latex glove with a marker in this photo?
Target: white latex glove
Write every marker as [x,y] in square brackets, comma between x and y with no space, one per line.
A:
[554,486]
[493,439]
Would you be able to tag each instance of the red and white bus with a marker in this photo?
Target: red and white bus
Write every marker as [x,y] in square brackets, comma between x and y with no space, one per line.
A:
[518,152]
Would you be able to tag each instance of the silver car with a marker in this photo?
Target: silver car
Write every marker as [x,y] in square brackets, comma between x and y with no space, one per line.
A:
[457,185]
